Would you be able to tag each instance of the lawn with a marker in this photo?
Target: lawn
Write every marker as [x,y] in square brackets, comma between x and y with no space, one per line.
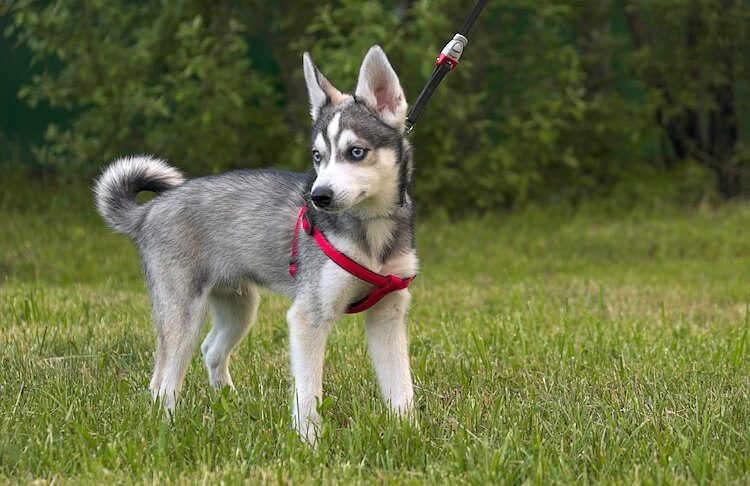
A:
[547,346]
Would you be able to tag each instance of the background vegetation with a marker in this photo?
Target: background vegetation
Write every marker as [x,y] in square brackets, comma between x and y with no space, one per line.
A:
[568,341]
[554,101]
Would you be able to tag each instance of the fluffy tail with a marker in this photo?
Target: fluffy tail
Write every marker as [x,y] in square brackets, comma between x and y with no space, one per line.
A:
[120,183]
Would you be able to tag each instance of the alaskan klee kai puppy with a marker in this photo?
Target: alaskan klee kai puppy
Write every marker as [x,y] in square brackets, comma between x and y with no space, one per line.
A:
[211,242]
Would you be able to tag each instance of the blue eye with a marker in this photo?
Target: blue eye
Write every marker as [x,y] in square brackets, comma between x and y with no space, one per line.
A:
[317,157]
[357,153]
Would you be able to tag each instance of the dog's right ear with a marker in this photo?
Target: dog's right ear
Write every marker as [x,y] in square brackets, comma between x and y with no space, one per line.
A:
[320,89]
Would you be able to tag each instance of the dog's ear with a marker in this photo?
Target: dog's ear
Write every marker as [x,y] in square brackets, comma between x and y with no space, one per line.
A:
[379,88]
[321,90]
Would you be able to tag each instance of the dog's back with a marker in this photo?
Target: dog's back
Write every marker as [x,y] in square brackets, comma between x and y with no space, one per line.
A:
[214,230]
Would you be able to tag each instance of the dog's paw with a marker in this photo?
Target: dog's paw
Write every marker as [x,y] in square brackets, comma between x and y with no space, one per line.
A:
[167,400]
[402,407]
[307,428]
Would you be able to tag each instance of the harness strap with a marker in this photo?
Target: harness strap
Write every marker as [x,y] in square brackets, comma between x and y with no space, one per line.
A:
[295,235]
[384,284]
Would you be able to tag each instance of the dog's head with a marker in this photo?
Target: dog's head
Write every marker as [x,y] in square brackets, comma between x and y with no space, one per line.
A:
[362,160]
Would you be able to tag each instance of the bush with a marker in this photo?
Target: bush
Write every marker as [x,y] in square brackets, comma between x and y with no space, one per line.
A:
[554,101]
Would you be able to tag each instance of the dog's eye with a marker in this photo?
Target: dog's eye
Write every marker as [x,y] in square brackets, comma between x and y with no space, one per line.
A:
[357,153]
[317,157]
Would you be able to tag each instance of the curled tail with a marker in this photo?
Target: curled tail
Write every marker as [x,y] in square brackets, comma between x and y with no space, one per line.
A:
[120,183]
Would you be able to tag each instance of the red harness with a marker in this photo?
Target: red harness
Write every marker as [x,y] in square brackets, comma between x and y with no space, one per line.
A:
[384,285]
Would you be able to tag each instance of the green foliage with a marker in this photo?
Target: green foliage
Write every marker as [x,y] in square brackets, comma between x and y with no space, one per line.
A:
[694,62]
[560,135]
[171,78]
[554,101]
[514,123]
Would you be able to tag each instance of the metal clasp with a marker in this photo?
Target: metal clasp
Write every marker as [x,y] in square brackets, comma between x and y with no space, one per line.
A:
[408,127]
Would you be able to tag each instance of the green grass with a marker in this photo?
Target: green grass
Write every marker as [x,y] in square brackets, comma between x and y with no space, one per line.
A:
[547,346]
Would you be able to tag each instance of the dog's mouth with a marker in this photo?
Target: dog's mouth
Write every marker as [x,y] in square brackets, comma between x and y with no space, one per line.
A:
[331,208]
[337,207]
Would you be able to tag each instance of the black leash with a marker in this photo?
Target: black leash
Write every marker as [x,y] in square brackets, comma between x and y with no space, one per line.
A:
[446,61]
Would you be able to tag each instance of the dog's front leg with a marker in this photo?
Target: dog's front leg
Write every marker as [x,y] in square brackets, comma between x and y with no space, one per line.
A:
[308,335]
[386,338]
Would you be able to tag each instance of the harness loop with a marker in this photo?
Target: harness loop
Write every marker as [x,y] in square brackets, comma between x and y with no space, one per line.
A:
[384,284]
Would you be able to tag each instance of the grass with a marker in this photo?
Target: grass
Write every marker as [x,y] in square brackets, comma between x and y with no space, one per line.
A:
[547,346]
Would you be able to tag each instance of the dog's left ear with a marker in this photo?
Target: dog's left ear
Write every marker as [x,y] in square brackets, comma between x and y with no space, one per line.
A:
[379,88]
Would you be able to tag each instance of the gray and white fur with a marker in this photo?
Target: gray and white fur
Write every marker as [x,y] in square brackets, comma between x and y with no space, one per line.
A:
[211,242]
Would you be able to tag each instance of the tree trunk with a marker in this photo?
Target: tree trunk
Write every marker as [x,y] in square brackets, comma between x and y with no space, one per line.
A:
[638,31]
[641,39]
[692,125]
[723,132]
[595,44]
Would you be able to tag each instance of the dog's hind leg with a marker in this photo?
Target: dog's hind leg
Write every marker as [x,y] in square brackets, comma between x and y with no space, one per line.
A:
[386,338]
[233,311]
[179,319]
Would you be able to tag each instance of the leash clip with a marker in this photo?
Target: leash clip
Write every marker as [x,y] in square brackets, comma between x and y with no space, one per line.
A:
[452,51]
[408,126]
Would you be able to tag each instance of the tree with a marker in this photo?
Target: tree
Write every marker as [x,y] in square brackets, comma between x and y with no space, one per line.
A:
[553,101]
[691,68]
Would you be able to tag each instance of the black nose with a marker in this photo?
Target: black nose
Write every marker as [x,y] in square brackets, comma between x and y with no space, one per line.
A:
[322,196]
